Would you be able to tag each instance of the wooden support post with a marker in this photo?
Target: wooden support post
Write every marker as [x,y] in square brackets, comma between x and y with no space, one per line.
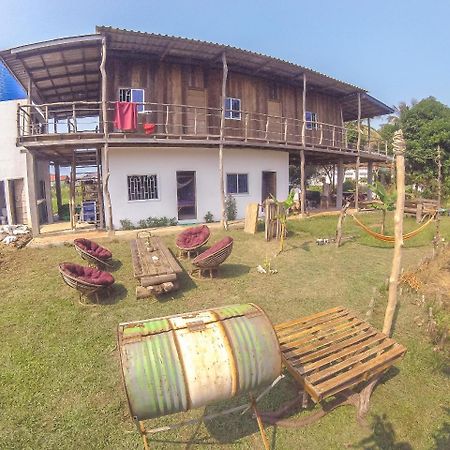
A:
[340,223]
[58,190]
[73,174]
[437,234]
[369,180]
[340,184]
[369,133]
[302,184]
[100,205]
[30,111]
[222,126]
[105,172]
[304,111]
[32,199]
[399,151]
[358,158]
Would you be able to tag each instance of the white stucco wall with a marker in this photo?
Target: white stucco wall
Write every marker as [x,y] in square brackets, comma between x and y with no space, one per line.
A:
[12,161]
[165,162]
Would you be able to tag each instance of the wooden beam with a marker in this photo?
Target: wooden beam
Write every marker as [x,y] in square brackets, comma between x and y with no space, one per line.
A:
[32,199]
[302,184]
[106,173]
[222,126]
[73,175]
[304,111]
[58,190]
[358,158]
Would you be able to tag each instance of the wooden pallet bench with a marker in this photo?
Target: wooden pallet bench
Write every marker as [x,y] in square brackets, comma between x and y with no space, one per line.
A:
[332,353]
[154,266]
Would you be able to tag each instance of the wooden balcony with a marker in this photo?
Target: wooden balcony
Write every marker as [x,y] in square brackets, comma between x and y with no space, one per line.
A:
[79,124]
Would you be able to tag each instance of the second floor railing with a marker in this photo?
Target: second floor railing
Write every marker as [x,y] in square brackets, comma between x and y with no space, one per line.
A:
[174,121]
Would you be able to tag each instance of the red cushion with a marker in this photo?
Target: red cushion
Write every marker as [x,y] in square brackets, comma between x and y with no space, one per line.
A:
[216,247]
[193,237]
[93,248]
[88,274]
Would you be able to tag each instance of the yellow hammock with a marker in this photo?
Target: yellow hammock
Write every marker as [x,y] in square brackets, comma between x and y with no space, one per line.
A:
[382,237]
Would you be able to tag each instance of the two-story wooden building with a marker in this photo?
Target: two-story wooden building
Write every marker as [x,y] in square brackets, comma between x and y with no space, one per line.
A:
[174,124]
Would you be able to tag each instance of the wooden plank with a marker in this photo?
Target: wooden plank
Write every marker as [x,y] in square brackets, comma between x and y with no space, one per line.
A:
[154,280]
[336,346]
[171,260]
[321,333]
[361,369]
[251,218]
[351,362]
[306,319]
[368,375]
[304,327]
[296,351]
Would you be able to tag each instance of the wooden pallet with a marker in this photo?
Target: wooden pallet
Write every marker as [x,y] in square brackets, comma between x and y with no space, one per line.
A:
[333,351]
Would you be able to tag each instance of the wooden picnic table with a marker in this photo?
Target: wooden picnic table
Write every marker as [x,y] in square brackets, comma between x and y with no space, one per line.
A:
[154,266]
[334,351]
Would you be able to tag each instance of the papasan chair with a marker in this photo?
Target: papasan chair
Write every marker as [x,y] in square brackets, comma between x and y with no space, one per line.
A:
[209,261]
[93,253]
[190,240]
[86,280]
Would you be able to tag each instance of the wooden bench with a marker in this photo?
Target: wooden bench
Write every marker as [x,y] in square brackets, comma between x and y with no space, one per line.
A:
[332,353]
[420,207]
[154,266]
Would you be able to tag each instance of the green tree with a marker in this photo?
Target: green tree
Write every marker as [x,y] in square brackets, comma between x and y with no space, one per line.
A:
[425,124]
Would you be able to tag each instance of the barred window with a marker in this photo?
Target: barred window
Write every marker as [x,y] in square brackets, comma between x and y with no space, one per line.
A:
[142,187]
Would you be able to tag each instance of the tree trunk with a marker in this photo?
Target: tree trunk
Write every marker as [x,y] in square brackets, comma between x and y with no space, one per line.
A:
[341,223]
[383,221]
[222,125]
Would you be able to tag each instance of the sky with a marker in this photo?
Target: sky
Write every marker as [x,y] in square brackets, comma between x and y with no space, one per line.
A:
[396,49]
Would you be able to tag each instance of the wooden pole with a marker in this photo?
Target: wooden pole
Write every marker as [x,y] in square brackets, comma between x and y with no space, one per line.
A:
[73,174]
[358,158]
[222,126]
[399,151]
[369,135]
[437,234]
[101,213]
[340,223]
[58,189]
[302,184]
[304,111]
[105,172]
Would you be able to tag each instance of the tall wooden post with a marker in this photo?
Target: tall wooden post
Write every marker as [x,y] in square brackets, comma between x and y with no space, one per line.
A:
[399,151]
[340,184]
[222,126]
[105,172]
[73,175]
[302,153]
[369,135]
[101,212]
[29,100]
[304,111]
[302,184]
[369,179]
[58,190]
[358,158]
[437,234]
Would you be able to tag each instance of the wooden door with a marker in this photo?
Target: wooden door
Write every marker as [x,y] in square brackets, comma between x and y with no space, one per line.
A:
[197,118]
[274,121]
[268,185]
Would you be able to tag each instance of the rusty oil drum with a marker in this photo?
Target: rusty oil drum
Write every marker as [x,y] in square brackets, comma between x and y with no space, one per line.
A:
[186,361]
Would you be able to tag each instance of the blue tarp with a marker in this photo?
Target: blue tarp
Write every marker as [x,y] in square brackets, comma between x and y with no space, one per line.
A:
[10,89]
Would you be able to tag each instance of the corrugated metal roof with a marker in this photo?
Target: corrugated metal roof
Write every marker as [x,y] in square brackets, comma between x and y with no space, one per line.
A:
[66,69]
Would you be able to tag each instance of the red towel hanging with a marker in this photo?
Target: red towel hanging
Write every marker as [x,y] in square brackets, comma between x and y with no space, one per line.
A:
[126,116]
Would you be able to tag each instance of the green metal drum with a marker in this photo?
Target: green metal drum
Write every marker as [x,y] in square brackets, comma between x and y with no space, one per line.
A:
[186,361]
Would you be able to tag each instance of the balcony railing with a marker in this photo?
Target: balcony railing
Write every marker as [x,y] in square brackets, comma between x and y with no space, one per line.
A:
[186,122]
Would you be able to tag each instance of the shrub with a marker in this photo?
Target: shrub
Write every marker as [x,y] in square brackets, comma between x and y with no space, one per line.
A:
[127,224]
[230,208]
[209,218]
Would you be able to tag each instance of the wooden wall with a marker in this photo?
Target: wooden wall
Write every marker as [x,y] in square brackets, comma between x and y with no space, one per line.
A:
[169,83]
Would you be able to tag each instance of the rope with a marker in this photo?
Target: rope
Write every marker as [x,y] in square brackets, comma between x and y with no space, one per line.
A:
[388,238]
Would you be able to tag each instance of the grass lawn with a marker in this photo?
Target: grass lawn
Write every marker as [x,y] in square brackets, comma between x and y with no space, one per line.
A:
[60,383]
